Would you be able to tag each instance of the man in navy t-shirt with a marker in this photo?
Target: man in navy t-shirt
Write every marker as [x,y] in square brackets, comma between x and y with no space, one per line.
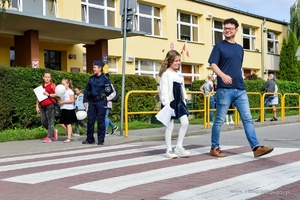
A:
[226,61]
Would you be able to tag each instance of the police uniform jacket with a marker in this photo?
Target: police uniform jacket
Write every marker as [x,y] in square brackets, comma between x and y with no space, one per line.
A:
[98,87]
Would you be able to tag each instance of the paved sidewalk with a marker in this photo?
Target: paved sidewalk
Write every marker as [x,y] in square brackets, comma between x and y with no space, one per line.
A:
[154,134]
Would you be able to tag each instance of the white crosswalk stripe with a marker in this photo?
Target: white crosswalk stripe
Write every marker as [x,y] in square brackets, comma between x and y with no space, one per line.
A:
[234,188]
[73,171]
[119,183]
[74,159]
[113,170]
[48,155]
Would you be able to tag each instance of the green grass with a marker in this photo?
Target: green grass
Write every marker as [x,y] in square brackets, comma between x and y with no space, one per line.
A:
[40,132]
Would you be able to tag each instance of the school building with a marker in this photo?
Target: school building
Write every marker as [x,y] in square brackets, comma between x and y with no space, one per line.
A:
[68,35]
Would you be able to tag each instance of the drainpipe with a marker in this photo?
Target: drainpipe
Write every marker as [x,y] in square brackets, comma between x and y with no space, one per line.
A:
[262,48]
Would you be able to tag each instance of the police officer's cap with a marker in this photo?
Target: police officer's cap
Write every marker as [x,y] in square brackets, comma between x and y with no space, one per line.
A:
[98,63]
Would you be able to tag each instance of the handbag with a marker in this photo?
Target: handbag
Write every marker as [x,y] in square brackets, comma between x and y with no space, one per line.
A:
[57,109]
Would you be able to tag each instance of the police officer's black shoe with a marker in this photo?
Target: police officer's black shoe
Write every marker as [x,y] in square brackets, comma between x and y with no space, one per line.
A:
[86,142]
[100,143]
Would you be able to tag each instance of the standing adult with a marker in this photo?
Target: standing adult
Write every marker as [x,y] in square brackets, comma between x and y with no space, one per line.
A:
[208,87]
[173,95]
[95,97]
[47,111]
[269,86]
[226,61]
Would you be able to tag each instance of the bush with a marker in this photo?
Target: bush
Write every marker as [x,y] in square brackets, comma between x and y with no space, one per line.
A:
[17,108]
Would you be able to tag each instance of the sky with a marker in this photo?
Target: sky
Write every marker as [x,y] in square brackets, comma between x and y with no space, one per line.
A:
[275,9]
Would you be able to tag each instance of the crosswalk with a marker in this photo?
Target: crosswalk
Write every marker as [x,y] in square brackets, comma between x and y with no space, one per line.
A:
[132,171]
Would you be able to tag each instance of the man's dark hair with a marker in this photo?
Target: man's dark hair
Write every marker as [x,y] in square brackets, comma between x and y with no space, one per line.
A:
[231,21]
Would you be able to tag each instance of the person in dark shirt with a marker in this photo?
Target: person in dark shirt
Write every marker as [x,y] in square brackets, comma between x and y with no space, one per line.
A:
[269,86]
[95,93]
[226,61]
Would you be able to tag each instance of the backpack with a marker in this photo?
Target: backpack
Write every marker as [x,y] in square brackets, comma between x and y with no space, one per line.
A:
[116,97]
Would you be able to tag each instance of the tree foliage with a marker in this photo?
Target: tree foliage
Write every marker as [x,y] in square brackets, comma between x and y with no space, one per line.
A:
[295,19]
[289,64]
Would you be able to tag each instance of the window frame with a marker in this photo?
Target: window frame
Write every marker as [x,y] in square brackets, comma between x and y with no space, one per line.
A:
[274,41]
[59,63]
[251,36]
[214,29]
[113,70]
[153,72]
[138,15]
[106,9]
[192,74]
[190,24]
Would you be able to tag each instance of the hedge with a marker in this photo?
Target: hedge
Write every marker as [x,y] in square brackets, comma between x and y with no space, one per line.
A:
[17,107]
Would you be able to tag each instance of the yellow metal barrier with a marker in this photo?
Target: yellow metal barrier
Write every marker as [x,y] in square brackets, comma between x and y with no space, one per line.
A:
[208,110]
[126,113]
[262,105]
[284,107]
[236,114]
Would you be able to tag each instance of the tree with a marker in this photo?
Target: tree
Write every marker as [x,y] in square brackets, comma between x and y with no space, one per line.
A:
[4,4]
[289,64]
[295,19]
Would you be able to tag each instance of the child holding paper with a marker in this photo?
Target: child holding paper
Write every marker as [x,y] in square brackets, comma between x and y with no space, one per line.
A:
[46,108]
[173,95]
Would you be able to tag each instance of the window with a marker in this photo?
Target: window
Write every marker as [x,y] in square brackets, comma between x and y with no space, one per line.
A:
[112,65]
[190,73]
[15,4]
[151,68]
[148,68]
[39,7]
[217,31]
[12,57]
[148,19]
[52,59]
[101,12]
[249,40]
[187,27]
[273,43]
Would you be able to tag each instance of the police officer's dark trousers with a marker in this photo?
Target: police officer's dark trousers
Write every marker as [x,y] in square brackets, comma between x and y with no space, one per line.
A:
[96,109]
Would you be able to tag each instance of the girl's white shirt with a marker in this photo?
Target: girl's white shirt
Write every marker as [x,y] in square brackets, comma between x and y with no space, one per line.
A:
[166,86]
[66,96]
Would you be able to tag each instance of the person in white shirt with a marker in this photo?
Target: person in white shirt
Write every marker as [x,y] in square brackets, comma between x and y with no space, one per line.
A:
[68,115]
[173,94]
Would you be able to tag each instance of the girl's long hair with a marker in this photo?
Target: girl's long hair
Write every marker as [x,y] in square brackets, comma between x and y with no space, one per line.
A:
[69,82]
[170,57]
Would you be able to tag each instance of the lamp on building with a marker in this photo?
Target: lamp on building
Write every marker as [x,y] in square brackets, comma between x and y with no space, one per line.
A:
[70,56]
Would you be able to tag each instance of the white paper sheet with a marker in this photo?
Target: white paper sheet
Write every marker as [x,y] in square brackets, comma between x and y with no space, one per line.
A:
[39,93]
[164,115]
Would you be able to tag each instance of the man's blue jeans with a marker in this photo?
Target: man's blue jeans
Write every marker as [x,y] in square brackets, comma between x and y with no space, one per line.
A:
[211,106]
[239,99]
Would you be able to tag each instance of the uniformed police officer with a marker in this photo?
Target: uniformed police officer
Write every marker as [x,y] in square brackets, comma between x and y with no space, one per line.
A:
[95,93]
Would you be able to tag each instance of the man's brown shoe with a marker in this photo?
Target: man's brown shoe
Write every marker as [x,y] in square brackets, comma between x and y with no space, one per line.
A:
[262,150]
[217,152]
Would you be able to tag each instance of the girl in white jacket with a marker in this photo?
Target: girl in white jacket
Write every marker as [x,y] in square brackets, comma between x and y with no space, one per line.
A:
[173,94]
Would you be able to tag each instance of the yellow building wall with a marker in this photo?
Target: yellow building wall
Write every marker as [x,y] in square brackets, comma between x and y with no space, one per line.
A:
[66,50]
[6,43]
[63,8]
[155,48]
